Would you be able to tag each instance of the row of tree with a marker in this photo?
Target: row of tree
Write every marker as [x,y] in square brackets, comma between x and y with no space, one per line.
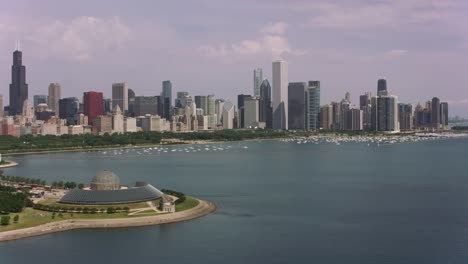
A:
[18,179]
[85,210]
[67,185]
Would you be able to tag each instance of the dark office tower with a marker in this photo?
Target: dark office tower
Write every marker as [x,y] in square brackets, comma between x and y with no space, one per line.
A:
[92,102]
[265,109]
[405,116]
[201,101]
[131,102]
[365,106]
[382,87]
[18,86]
[68,108]
[166,99]
[296,105]
[107,105]
[180,99]
[364,100]
[444,115]
[147,105]
[240,108]
[435,113]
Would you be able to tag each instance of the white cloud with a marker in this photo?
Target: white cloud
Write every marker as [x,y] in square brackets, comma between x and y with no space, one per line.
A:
[78,39]
[270,42]
[278,28]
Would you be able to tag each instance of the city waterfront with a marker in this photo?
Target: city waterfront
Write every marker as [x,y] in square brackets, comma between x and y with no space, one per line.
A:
[278,202]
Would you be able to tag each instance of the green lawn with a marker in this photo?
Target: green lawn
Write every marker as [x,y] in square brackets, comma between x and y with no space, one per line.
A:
[31,217]
[187,204]
[53,202]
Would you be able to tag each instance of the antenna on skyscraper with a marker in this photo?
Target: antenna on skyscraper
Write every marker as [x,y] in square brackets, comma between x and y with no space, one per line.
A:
[19,45]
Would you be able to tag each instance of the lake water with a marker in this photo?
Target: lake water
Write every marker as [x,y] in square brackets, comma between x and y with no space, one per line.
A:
[278,202]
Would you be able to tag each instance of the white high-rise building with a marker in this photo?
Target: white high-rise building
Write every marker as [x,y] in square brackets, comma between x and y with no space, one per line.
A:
[54,97]
[280,95]
[228,115]
[258,79]
[219,105]
[117,120]
[120,96]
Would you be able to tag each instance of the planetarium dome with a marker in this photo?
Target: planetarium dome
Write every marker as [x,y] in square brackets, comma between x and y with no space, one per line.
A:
[105,180]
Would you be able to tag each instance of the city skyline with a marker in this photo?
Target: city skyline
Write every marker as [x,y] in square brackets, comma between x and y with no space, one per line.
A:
[199,58]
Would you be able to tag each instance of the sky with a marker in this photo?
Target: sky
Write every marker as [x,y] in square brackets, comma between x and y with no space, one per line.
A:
[212,46]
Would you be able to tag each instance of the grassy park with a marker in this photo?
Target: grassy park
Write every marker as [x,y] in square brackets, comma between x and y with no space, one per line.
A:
[30,217]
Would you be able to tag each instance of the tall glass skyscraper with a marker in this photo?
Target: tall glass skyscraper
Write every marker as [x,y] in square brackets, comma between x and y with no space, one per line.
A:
[258,79]
[313,106]
[166,98]
[120,96]
[296,105]
[18,86]
[265,110]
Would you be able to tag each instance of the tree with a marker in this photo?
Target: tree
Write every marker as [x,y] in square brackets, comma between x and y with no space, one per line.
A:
[70,185]
[5,220]
[80,186]
[16,219]
[93,210]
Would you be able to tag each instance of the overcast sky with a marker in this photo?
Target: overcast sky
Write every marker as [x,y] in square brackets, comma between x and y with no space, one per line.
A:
[212,46]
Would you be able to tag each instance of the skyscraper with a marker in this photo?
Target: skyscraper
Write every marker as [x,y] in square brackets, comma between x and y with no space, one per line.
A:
[366,107]
[326,116]
[280,95]
[202,102]
[382,87]
[444,115]
[40,99]
[210,110]
[107,105]
[405,116]
[147,105]
[54,97]
[387,113]
[312,104]
[92,105]
[258,79]
[296,105]
[240,108]
[166,98]
[120,96]
[131,102]
[18,86]
[251,112]
[68,108]
[265,110]
[219,104]
[435,113]
[228,115]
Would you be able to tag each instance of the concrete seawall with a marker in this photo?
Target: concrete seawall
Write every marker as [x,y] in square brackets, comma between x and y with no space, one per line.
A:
[202,209]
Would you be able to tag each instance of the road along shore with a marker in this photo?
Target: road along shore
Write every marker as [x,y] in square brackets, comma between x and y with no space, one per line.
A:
[203,208]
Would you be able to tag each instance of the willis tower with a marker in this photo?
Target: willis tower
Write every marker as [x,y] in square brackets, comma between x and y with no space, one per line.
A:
[18,86]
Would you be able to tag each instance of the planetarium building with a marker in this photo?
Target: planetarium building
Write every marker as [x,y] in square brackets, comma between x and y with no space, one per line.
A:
[106,189]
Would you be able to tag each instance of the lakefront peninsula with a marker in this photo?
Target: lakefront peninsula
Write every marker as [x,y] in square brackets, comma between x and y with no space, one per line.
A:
[32,208]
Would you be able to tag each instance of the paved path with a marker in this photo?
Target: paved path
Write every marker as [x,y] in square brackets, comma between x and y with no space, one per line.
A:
[202,209]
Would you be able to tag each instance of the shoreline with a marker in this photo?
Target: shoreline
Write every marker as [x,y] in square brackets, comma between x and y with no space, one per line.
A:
[9,165]
[194,142]
[202,209]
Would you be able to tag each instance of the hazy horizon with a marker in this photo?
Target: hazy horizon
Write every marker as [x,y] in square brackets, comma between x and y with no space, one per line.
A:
[212,47]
